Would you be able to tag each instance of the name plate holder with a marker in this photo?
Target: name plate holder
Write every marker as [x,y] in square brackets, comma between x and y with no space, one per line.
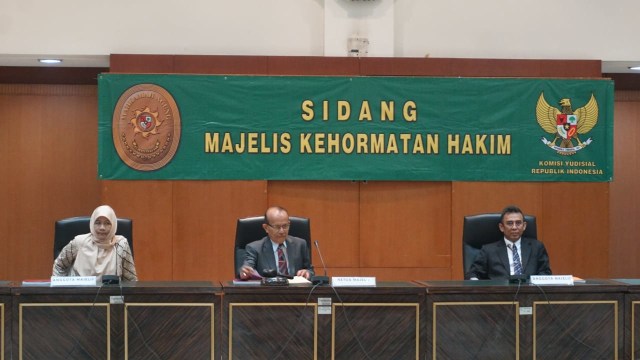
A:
[551,279]
[75,281]
[346,281]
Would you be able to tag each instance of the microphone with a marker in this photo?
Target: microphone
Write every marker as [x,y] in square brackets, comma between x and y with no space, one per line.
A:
[272,273]
[112,279]
[317,279]
[269,273]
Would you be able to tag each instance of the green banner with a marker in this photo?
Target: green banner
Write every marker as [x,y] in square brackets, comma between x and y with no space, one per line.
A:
[354,128]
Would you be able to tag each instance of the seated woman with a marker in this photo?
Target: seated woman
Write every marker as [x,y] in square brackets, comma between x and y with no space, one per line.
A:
[100,252]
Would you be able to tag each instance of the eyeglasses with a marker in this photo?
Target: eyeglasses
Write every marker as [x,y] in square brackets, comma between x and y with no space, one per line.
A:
[517,223]
[284,227]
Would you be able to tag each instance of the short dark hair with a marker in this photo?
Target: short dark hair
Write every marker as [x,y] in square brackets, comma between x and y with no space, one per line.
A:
[279,208]
[510,210]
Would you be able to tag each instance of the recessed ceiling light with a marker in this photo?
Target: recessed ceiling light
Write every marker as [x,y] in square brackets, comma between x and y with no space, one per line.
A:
[50,61]
[634,68]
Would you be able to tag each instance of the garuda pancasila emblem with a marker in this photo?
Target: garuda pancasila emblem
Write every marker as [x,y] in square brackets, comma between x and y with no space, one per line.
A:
[566,124]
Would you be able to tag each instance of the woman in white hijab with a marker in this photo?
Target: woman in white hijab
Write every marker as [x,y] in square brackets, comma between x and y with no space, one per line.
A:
[100,252]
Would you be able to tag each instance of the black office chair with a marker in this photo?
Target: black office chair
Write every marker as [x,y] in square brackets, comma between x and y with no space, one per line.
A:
[250,229]
[67,229]
[482,229]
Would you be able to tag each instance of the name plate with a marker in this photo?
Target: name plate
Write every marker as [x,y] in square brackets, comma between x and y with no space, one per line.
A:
[353,281]
[551,279]
[75,281]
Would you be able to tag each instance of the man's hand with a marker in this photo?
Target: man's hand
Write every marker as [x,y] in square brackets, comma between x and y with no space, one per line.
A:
[247,272]
[305,273]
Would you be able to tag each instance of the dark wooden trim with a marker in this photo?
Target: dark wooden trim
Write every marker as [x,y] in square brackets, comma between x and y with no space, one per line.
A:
[624,81]
[219,64]
[316,65]
[480,67]
[141,63]
[50,75]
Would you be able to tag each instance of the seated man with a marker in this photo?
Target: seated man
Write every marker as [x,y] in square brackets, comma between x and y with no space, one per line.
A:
[278,252]
[514,255]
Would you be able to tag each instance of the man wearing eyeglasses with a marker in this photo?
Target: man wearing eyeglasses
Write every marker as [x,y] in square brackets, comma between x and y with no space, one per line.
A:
[279,252]
[514,255]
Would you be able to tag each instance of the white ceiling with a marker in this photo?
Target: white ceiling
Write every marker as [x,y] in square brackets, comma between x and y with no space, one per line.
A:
[619,66]
[491,29]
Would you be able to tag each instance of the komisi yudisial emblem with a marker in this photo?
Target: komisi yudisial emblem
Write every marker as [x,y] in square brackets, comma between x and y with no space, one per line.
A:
[146,127]
[566,124]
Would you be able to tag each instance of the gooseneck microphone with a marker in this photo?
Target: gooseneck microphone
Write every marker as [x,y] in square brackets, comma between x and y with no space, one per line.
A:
[113,279]
[317,279]
[272,273]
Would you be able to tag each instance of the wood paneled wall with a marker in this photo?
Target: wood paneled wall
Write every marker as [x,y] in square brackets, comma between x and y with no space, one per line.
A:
[48,170]
[625,197]
[184,230]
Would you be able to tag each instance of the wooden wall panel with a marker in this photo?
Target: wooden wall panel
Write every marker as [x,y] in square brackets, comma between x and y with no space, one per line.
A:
[333,209]
[48,149]
[204,225]
[5,195]
[393,273]
[150,205]
[403,226]
[576,228]
[625,197]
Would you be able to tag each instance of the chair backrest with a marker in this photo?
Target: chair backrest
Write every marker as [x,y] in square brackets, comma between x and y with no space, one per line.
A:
[250,229]
[67,229]
[482,229]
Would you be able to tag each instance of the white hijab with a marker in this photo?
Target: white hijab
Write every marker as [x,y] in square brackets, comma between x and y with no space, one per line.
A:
[96,257]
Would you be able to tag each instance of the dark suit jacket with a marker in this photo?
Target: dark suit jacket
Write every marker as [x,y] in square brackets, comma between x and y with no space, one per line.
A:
[259,255]
[492,262]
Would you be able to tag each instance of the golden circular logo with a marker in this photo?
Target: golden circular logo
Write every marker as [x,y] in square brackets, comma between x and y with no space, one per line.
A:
[146,127]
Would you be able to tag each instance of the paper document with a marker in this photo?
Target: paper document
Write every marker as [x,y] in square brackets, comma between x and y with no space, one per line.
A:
[299,280]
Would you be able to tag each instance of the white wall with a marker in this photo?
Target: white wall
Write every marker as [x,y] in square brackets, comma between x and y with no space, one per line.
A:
[551,29]
[520,29]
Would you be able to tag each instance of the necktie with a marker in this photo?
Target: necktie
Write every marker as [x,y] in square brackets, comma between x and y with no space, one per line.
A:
[282,261]
[517,265]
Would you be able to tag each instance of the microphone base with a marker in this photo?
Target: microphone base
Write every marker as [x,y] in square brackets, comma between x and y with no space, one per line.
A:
[110,280]
[319,280]
[275,281]
[518,279]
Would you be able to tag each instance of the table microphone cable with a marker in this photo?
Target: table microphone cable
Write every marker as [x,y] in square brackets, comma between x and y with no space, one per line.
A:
[298,322]
[502,325]
[355,336]
[344,313]
[84,327]
[564,327]
[325,280]
[126,313]
[293,333]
